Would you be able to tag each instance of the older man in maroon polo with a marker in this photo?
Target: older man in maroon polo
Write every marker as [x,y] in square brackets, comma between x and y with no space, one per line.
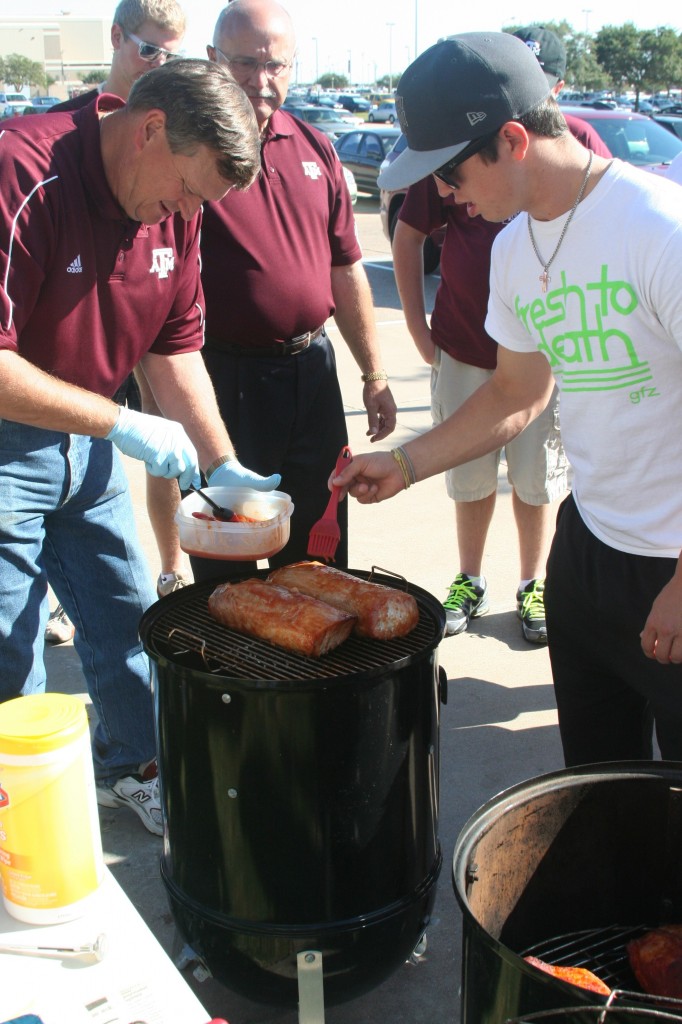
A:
[277,262]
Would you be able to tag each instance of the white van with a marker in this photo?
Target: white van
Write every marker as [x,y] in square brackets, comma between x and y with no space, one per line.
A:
[16,99]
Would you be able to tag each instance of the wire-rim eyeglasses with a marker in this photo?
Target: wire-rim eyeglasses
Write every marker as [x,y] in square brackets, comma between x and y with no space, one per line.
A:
[244,67]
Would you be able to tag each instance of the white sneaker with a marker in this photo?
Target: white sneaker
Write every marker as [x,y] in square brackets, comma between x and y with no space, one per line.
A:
[169,582]
[140,794]
[59,629]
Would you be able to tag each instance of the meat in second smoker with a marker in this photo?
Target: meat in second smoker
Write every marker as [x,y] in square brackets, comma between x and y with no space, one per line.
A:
[383,613]
[579,976]
[656,961]
[293,621]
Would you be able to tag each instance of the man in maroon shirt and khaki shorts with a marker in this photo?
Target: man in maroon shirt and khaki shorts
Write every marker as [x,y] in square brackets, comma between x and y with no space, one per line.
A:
[99,269]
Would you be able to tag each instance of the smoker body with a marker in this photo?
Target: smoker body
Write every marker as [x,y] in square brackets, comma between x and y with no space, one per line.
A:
[301,813]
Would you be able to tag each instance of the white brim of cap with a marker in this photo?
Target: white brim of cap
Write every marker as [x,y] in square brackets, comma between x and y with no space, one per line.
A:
[412,165]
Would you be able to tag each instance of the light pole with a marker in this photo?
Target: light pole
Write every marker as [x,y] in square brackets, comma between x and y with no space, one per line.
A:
[389,26]
[587,12]
[317,60]
[416,29]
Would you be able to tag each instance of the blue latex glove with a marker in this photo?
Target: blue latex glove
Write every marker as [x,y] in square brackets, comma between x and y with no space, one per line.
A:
[161,444]
[233,474]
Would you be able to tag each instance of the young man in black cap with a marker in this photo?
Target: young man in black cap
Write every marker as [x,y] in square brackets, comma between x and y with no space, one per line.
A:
[584,292]
[462,356]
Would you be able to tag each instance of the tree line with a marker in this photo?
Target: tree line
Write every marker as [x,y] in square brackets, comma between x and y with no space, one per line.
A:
[619,58]
[622,57]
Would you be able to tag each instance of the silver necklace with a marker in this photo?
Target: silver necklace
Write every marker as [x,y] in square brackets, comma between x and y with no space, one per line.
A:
[544,276]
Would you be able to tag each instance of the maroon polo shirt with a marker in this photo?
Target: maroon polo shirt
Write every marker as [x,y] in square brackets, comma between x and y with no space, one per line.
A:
[84,290]
[76,102]
[461,301]
[267,253]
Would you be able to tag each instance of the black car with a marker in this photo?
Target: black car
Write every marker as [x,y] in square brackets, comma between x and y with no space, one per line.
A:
[390,202]
[355,103]
[363,151]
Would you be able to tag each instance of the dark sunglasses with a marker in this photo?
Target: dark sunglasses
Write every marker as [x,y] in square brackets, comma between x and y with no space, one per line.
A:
[443,173]
[149,51]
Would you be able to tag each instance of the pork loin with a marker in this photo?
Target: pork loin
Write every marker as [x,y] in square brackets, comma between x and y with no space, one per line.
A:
[383,613]
[290,620]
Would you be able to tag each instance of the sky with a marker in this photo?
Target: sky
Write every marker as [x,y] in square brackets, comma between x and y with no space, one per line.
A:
[383,37]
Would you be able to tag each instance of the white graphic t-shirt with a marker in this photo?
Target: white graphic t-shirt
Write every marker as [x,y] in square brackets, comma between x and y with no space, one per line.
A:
[610,324]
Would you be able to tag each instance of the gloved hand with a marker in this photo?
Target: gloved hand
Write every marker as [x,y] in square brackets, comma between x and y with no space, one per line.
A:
[161,444]
[233,474]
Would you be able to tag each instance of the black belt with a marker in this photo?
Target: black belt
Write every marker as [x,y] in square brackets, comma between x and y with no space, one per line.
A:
[278,348]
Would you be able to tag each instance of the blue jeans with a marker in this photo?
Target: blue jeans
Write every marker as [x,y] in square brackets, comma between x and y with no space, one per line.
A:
[66,516]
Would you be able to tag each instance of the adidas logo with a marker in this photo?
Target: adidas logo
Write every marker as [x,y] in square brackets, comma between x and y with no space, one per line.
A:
[76,267]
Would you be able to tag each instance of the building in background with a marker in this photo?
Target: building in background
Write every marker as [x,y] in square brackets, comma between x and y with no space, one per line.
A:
[66,46]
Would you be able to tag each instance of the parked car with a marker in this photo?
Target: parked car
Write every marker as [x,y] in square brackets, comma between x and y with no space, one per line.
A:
[633,137]
[389,208]
[673,122]
[14,109]
[355,104]
[44,102]
[384,112]
[363,150]
[325,120]
[15,101]
[320,99]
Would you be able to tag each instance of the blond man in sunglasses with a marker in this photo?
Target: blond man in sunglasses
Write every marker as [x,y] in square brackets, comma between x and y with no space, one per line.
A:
[144,34]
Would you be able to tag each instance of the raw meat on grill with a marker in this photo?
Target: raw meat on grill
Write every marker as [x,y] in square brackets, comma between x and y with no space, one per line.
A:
[290,620]
[383,613]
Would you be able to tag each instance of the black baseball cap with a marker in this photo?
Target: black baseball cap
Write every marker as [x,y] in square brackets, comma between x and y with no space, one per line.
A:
[460,89]
[548,48]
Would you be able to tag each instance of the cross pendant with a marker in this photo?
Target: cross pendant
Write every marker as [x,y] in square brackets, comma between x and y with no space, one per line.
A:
[544,280]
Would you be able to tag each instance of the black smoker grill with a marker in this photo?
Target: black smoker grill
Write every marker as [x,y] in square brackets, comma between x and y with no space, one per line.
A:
[568,867]
[300,796]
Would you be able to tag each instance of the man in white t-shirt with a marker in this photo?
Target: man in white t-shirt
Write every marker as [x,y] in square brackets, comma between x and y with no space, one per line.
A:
[584,292]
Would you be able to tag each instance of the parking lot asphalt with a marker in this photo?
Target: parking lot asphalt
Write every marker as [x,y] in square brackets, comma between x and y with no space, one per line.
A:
[497,728]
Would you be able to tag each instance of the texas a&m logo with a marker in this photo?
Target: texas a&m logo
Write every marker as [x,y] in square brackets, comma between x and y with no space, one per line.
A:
[163,261]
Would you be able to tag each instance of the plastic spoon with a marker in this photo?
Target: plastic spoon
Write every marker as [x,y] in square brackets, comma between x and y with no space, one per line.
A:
[220,511]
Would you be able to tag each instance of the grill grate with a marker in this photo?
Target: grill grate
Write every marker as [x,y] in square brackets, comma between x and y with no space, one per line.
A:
[181,629]
[604,952]
[601,950]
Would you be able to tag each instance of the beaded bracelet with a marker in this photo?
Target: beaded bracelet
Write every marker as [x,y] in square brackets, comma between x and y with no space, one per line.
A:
[406,467]
[374,375]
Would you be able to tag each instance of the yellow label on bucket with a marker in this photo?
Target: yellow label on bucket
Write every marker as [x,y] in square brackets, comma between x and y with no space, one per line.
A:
[50,845]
